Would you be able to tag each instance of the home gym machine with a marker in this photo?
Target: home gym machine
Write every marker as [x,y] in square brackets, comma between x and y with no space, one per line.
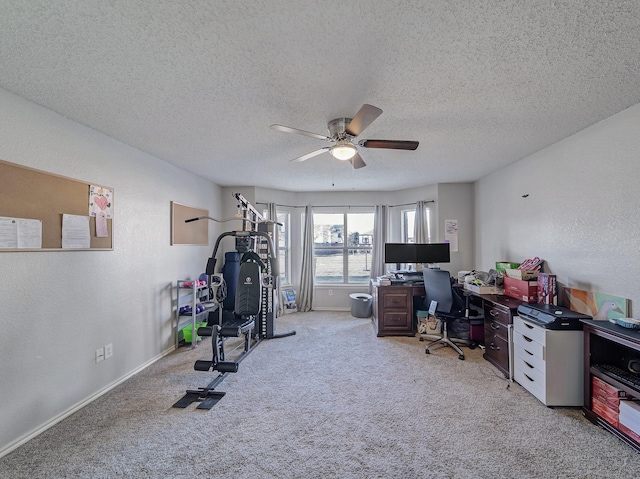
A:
[247,307]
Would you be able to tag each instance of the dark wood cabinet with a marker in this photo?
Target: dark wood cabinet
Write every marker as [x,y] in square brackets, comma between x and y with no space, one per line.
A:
[498,320]
[393,312]
[609,345]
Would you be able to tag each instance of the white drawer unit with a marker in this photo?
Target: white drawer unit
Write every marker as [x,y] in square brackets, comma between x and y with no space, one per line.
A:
[549,363]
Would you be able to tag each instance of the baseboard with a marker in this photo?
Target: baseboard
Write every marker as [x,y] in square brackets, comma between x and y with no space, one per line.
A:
[39,430]
[331,308]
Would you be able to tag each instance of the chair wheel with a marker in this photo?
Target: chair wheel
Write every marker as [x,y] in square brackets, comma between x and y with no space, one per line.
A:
[473,346]
[421,339]
[461,356]
[426,351]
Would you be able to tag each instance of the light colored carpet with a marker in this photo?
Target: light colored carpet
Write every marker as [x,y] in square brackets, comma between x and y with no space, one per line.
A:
[332,401]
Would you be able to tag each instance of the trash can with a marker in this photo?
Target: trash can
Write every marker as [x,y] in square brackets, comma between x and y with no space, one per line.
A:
[360,305]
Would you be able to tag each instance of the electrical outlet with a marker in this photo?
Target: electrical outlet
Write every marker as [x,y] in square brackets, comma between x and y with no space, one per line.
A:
[99,355]
[108,351]
[330,292]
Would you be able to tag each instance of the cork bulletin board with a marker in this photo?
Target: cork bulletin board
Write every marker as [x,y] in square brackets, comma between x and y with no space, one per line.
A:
[193,233]
[37,195]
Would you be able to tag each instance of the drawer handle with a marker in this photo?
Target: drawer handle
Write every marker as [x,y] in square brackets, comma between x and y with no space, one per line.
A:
[529,353]
[527,339]
[494,326]
[493,313]
[527,377]
[528,364]
[528,325]
[494,347]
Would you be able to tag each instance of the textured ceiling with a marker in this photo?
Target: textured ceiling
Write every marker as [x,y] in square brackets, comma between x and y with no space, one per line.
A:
[197,83]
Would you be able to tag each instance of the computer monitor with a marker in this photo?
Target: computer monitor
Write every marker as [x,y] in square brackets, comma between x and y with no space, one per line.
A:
[417,253]
[433,253]
[399,252]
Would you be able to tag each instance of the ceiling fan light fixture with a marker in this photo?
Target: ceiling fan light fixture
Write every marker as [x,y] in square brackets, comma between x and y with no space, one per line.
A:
[343,151]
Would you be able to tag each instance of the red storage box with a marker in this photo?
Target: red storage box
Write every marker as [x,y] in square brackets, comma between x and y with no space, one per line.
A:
[522,290]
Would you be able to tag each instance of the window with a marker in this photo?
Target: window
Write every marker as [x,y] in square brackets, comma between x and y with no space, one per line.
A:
[283,245]
[284,242]
[408,225]
[340,257]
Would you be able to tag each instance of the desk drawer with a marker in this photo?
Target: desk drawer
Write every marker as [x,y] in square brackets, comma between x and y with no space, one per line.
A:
[496,313]
[394,320]
[529,367]
[395,301]
[532,385]
[530,346]
[494,326]
[496,349]
[532,360]
[536,333]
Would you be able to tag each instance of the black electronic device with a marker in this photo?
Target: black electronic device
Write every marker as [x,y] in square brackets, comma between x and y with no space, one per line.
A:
[550,316]
[417,253]
[433,253]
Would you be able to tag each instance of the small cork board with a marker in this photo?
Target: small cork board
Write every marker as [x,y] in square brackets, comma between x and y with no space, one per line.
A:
[192,233]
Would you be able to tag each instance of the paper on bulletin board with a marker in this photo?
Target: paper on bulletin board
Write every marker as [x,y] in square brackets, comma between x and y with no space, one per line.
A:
[75,232]
[17,233]
[100,201]
[451,234]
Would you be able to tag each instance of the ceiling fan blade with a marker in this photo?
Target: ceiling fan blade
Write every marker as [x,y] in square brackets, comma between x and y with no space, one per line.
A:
[357,161]
[311,155]
[390,144]
[363,119]
[288,129]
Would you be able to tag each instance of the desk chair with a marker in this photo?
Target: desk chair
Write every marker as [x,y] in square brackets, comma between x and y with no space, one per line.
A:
[444,306]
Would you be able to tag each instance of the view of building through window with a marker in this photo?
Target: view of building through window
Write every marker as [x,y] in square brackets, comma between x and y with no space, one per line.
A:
[342,257]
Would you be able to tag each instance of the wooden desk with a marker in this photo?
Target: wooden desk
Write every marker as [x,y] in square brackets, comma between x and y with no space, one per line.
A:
[392,309]
[498,329]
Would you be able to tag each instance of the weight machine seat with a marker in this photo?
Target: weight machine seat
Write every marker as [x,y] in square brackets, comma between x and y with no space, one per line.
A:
[233,328]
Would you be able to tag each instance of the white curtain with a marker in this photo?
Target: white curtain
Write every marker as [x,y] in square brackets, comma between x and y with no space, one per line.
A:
[305,298]
[272,215]
[420,228]
[380,231]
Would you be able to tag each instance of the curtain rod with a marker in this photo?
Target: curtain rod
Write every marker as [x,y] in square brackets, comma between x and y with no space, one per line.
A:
[346,206]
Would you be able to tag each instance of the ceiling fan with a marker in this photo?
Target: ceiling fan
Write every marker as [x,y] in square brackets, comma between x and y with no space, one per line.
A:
[343,132]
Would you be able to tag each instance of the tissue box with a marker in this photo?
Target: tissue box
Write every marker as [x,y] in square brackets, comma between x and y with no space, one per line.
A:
[523,290]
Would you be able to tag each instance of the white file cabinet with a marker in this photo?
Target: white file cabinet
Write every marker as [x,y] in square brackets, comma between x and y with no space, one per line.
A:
[549,363]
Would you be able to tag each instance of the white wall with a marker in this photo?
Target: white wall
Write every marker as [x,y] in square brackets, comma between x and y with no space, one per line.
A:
[455,202]
[581,212]
[57,308]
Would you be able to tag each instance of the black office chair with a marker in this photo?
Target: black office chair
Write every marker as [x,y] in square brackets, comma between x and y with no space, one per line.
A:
[445,306]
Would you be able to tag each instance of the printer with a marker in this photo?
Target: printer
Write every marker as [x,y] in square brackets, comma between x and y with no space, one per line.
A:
[549,316]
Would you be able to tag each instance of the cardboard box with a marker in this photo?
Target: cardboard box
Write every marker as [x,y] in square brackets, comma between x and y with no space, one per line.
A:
[502,265]
[483,289]
[522,274]
[523,290]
